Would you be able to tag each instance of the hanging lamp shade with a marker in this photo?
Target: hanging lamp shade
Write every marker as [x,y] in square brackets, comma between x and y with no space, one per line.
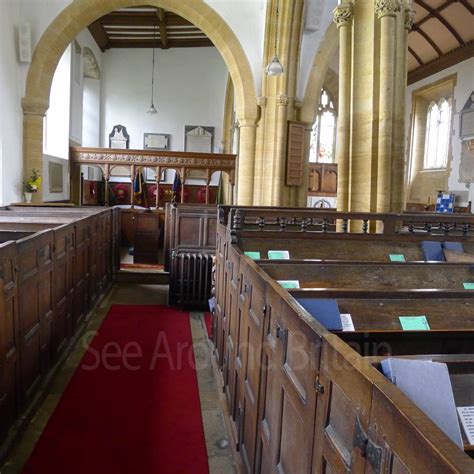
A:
[152,109]
[275,68]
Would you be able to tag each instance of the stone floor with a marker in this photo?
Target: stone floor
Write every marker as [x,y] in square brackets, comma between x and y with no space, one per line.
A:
[219,453]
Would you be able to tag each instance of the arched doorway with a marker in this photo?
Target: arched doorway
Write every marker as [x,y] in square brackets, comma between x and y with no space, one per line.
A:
[78,15]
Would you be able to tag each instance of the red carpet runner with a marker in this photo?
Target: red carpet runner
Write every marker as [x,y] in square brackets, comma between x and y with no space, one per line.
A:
[131,413]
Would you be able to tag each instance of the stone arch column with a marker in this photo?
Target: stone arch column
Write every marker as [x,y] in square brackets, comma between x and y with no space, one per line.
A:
[77,16]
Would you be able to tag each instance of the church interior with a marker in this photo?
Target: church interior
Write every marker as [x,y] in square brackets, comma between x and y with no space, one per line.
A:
[236,236]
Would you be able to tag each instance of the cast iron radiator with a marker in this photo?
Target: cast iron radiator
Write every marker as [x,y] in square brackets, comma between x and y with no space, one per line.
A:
[191,279]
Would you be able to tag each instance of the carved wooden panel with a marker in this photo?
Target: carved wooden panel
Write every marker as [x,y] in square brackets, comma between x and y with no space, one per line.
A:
[81,274]
[295,154]
[322,179]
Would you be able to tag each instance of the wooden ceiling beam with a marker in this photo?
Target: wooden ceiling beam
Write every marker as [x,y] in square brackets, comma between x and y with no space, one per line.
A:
[468,7]
[439,9]
[427,38]
[140,19]
[100,36]
[160,13]
[175,43]
[417,58]
[447,60]
[435,14]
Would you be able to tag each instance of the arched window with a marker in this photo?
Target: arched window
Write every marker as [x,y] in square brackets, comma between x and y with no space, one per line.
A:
[323,135]
[438,127]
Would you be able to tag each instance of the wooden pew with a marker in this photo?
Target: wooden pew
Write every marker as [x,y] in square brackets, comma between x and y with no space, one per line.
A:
[49,282]
[263,337]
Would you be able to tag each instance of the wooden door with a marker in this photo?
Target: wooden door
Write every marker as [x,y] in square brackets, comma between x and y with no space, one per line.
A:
[289,391]
[35,288]
[81,274]
[343,410]
[231,337]
[252,310]
[9,338]
[63,264]
[147,237]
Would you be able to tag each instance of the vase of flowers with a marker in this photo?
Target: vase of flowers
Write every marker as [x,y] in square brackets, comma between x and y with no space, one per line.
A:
[32,184]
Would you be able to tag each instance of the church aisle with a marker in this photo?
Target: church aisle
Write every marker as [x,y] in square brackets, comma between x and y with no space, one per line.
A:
[118,419]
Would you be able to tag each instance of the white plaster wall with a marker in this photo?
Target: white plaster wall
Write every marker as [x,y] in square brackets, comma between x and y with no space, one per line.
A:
[78,117]
[190,86]
[318,17]
[464,87]
[246,18]
[91,113]
[10,109]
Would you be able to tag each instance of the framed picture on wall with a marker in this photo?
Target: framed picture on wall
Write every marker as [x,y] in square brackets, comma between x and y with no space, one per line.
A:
[156,141]
[150,175]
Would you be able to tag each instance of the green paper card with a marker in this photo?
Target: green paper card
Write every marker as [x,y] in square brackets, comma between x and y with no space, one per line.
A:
[289,284]
[278,255]
[394,257]
[253,255]
[469,286]
[414,323]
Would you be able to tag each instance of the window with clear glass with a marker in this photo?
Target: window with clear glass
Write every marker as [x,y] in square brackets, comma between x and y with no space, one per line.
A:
[323,134]
[438,127]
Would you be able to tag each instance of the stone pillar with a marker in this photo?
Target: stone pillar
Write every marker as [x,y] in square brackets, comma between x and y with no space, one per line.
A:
[343,18]
[399,113]
[259,151]
[369,120]
[33,115]
[277,103]
[386,11]
[245,172]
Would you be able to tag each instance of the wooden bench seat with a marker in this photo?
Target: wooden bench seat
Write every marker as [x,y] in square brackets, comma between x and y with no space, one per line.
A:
[372,276]
[336,248]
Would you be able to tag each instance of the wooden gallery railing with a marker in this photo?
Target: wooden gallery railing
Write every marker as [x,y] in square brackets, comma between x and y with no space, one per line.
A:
[183,162]
[303,399]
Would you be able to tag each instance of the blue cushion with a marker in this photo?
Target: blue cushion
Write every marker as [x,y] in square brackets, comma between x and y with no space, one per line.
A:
[456,246]
[326,311]
[433,251]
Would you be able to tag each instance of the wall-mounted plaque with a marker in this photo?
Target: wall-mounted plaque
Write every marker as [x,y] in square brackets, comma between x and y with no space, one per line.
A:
[55,177]
[156,141]
[198,139]
[466,119]
[119,138]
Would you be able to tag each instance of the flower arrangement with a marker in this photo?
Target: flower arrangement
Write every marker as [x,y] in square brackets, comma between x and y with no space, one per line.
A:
[33,183]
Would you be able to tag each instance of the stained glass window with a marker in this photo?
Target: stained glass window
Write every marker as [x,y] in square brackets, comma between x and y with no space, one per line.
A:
[323,135]
[438,127]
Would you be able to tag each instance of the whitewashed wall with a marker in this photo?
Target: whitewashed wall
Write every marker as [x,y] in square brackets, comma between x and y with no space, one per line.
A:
[10,97]
[186,93]
[464,87]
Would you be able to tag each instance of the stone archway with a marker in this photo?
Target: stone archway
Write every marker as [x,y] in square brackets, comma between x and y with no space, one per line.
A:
[78,15]
[318,74]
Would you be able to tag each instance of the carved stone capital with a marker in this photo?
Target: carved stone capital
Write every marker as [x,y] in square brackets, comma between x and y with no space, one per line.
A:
[34,106]
[386,7]
[283,100]
[343,14]
[409,18]
[262,101]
